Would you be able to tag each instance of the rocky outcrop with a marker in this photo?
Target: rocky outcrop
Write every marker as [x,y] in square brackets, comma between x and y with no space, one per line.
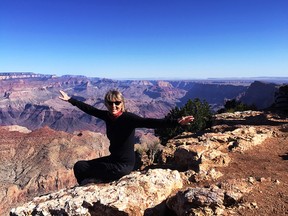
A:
[203,154]
[136,194]
[217,199]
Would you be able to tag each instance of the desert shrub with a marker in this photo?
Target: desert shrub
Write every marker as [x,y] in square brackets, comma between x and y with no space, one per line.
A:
[202,119]
[234,106]
[153,149]
[150,149]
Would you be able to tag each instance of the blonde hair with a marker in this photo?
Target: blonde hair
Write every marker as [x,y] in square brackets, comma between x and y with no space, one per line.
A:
[115,95]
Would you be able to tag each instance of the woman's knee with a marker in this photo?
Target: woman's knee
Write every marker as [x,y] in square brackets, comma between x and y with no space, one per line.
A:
[80,166]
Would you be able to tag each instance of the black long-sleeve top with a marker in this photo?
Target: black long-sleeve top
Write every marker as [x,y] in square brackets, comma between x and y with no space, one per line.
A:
[121,131]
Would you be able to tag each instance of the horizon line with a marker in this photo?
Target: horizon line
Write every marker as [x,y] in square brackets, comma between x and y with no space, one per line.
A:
[152,78]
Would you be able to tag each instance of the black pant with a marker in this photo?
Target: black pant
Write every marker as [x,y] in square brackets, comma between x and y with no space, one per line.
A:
[103,169]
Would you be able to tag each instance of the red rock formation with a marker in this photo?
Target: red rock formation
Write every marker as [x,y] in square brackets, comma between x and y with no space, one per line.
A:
[41,161]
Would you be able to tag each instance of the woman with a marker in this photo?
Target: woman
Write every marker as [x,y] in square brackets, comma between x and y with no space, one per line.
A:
[120,129]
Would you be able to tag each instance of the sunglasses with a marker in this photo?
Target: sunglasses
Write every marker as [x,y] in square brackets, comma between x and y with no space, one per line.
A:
[117,103]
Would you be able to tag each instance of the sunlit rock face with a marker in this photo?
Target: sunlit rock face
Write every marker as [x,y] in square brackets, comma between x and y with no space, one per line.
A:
[217,199]
[134,194]
[38,162]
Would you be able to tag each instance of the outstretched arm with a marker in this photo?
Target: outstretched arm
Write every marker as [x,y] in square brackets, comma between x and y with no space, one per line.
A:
[83,106]
[139,122]
[64,96]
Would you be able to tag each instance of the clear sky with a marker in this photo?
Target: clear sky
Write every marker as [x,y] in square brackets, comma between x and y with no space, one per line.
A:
[145,38]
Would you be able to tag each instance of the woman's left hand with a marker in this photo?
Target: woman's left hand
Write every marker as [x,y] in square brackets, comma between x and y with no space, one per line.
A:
[185,120]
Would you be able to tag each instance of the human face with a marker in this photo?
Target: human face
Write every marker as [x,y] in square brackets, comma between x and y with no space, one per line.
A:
[114,107]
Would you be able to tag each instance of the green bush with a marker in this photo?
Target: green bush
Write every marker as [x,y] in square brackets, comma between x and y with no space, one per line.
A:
[234,106]
[202,119]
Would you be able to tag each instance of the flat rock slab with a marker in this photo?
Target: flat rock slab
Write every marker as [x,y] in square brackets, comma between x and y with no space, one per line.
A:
[131,195]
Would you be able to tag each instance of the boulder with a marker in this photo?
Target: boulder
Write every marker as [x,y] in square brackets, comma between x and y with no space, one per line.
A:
[217,199]
[135,194]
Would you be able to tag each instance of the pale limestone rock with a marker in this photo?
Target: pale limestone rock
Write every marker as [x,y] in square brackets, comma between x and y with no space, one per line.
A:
[131,195]
[205,175]
[17,128]
[211,149]
[252,136]
[239,139]
[197,201]
[218,199]
[200,158]
[235,188]
[188,156]
[213,158]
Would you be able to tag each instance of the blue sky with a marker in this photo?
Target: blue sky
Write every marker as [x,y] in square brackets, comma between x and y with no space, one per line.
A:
[118,39]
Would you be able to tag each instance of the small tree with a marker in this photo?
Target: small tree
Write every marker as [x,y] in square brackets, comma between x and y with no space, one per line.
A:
[234,105]
[202,119]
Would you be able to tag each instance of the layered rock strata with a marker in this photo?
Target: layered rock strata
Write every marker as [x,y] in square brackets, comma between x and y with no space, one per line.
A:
[39,162]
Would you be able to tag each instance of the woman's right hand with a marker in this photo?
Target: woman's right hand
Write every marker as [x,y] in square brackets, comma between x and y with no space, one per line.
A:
[64,96]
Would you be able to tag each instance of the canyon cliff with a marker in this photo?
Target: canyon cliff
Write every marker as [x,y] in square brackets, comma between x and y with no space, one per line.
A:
[31,100]
[41,161]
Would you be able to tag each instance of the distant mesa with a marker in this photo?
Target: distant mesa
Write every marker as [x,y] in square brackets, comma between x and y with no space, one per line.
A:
[22,75]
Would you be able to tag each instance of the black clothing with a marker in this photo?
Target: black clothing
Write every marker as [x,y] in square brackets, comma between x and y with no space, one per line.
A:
[103,169]
[121,133]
